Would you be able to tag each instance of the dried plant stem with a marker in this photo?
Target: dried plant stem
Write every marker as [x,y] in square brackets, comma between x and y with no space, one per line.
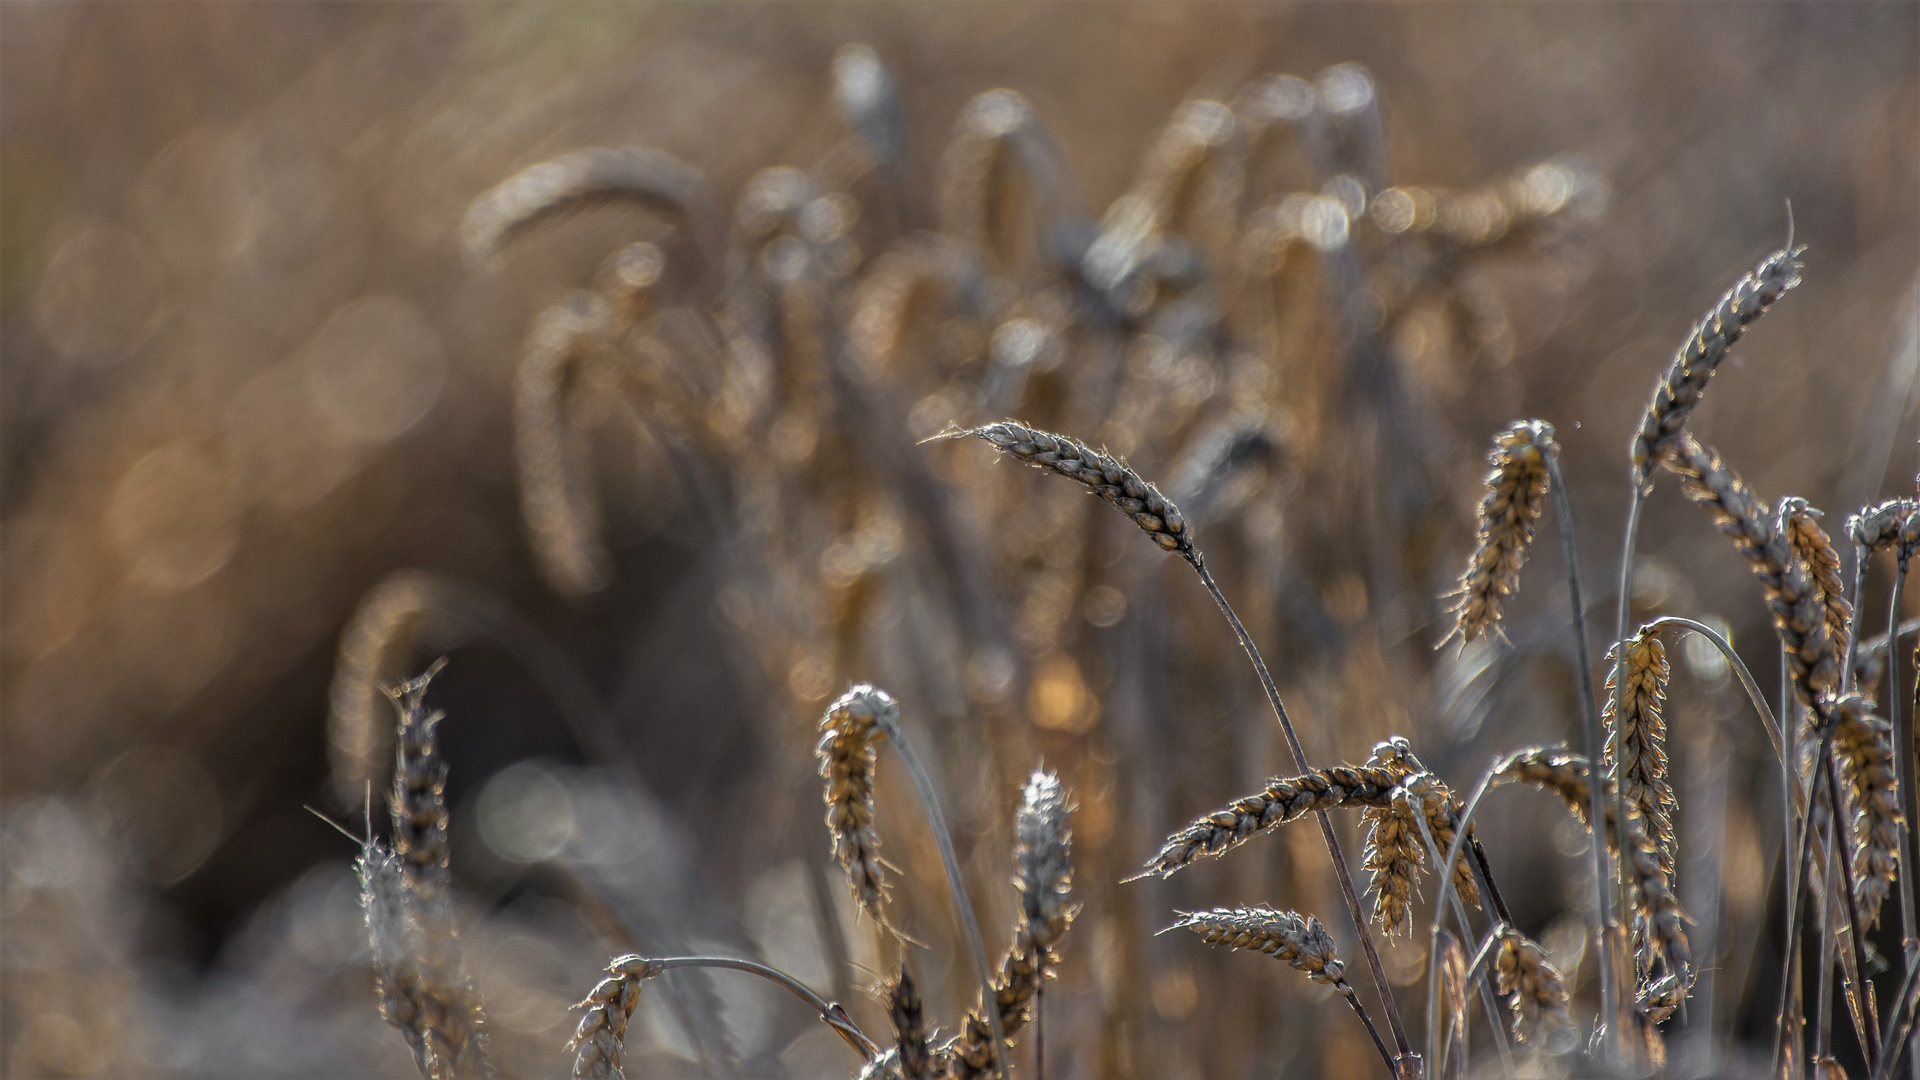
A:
[1612,1001]
[1347,892]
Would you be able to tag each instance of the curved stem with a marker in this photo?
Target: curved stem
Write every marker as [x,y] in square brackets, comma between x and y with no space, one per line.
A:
[1450,899]
[1347,892]
[930,802]
[1604,913]
[1759,700]
[832,1015]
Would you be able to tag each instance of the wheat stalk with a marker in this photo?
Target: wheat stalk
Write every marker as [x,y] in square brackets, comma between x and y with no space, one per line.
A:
[1637,737]
[1299,940]
[1516,497]
[1686,379]
[1283,800]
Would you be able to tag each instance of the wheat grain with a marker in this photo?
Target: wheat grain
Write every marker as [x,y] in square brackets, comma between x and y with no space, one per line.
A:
[1536,993]
[1812,547]
[1516,497]
[1863,747]
[1283,800]
[1110,478]
[1686,379]
[1637,738]
[849,734]
[1799,615]
[600,1040]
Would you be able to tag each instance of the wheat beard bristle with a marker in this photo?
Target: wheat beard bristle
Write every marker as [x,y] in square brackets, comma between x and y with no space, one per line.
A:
[1659,920]
[1283,800]
[1043,876]
[849,735]
[1533,986]
[1299,940]
[600,1040]
[1799,614]
[1641,727]
[1516,497]
[1686,379]
[446,1001]
[1863,747]
[1110,478]
[1812,547]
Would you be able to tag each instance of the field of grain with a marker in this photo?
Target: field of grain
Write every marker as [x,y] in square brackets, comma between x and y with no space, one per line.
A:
[770,525]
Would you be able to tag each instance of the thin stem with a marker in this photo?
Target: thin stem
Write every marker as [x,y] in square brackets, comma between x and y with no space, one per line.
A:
[1899,1025]
[1347,892]
[1452,895]
[832,1015]
[1823,996]
[1790,1017]
[1353,999]
[1040,1031]
[1798,870]
[930,802]
[1759,700]
[1860,556]
[1610,1001]
[1903,779]
[1463,834]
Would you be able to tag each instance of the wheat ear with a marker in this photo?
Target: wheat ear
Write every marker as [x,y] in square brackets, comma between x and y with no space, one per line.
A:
[1282,800]
[1814,548]
[556,494]
[395,937]
[1299,940]
[1516,497]
[1863,746]
[1532,985]
[1686,379]
[448,1004]
[1044,877]
[600,1039]
[848,751]
[998,143]
[1637,736]
[909,1020]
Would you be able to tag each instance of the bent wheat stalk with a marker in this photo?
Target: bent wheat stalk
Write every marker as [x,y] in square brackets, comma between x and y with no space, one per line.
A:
[1127,491]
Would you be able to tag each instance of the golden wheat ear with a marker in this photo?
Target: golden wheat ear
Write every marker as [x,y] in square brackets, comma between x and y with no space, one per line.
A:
[1516,497]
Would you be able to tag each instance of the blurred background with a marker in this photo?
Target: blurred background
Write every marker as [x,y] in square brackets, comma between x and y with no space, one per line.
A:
[273,438]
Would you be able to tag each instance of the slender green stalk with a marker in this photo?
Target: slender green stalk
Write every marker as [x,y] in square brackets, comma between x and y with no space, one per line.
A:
[1605,916]
[1347,892]
[930,801]
[832,1015]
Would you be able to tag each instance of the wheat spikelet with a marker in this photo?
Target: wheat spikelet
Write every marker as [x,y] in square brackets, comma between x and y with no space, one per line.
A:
[1686,379]
[849,734]
[600,1040]
[1813,548]
[911,1051]
[585,178]
[1863,748]
[1299,940]
[1043,876]
[556,493]
[446,1001]
[1516,497]
[1111,479]
[1799,615]
[395,938]
[1637,737]
[1659,921]
[1283,800]
[1533,986]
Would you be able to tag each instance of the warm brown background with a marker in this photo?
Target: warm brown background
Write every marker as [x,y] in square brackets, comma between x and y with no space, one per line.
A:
[248,373]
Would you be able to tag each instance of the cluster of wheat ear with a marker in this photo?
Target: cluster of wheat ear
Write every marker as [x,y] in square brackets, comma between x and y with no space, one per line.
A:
[789,384]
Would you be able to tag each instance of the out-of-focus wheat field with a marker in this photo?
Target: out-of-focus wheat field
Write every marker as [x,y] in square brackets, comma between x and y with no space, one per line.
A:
[270,443]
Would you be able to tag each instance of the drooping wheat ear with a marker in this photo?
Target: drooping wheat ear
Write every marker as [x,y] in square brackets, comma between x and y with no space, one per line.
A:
[447,1003]
[1660,998]
[849,737]
[1110,478]
[601,1038]
[911,1051]
[1863,746]
[1637,738]
[1435,802]
[1044,878]
[650,178]
[1533,987]
[1812,546]
[395,937]
[1799,615]
[1000,154]
[1393,856]
[1659,922]
[556,489]
[1516,497]
[1283,800]
[1299,940]
[1452,961]
[1686,378]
